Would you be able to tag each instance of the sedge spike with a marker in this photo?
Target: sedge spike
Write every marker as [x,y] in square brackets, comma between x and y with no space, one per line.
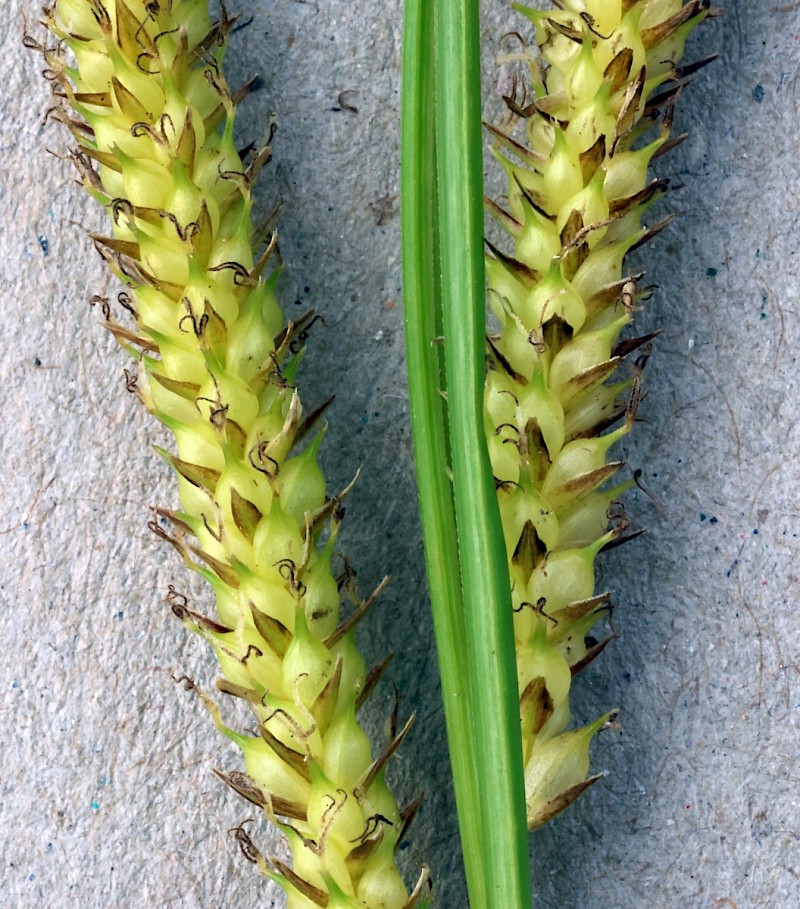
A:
[144,97]
[601,109]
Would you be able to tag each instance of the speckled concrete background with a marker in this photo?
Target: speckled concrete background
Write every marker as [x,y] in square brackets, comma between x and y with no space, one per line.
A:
[106,793]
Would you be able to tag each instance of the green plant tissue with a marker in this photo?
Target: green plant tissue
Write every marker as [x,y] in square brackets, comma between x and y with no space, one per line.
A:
[107,795]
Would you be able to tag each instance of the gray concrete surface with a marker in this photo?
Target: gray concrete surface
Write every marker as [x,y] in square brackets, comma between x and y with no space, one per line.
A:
[106,793]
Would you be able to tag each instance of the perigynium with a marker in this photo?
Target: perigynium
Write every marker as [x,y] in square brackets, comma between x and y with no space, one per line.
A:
[139,84]
[601,109]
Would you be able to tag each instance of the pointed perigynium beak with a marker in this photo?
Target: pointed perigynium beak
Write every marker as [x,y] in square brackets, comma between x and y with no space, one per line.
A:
[152,118]
[561,389]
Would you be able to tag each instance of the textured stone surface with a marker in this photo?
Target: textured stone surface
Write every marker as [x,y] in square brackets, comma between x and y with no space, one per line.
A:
[107,796]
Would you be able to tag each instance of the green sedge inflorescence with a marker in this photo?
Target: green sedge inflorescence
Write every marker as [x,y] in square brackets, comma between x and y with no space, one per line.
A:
[139,84]
[601,109]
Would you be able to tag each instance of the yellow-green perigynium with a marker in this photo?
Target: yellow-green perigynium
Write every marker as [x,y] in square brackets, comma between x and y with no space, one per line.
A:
[578,192]
[153,120]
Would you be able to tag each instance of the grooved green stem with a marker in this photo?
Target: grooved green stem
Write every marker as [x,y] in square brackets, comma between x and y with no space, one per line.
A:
[444,268]
[484,573]
[422,311]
